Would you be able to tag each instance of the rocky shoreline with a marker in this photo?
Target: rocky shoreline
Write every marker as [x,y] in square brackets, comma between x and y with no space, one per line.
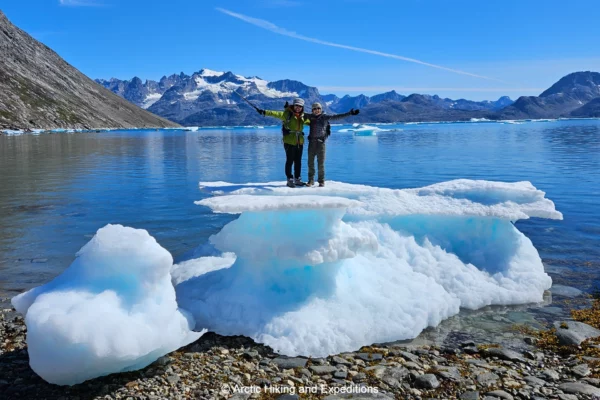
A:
[218,367]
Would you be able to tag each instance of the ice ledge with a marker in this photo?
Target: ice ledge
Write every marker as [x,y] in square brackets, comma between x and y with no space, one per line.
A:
[237,204]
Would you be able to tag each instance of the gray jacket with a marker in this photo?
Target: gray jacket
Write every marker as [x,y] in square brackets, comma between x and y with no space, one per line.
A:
[318,124]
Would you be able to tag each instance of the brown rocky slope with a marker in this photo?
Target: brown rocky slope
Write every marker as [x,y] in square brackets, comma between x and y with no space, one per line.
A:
[38,89]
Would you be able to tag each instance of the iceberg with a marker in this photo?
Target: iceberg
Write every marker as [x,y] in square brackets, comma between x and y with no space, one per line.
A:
[364,130]
[319,271]
[113,310]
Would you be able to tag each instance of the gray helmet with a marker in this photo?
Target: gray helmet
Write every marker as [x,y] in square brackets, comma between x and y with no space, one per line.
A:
[317,105]
[298,102]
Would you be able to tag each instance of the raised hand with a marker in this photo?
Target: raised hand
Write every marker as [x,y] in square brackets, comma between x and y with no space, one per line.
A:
[261,112]
[354,112]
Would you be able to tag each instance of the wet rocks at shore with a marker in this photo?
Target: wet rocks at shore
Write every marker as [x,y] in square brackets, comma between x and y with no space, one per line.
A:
[218,367]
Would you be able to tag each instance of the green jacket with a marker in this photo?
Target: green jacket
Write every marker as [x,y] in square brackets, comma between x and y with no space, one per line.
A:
[291,122]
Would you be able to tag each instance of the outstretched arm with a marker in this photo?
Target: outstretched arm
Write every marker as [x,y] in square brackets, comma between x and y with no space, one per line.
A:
[272,113]
[341,116]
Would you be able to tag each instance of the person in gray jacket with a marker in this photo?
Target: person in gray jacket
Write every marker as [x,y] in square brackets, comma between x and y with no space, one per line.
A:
[319,132]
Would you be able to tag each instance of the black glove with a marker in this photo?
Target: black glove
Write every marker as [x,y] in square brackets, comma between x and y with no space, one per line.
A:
[354,112]
[286,105]
[261,112]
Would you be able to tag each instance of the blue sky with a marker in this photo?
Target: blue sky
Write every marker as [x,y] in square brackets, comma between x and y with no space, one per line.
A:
[474,49]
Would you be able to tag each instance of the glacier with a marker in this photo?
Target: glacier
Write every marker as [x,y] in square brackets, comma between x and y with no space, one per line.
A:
[113,310]
[319,271]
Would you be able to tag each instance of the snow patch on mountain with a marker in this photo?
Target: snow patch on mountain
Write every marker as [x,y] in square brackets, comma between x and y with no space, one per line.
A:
[151,99]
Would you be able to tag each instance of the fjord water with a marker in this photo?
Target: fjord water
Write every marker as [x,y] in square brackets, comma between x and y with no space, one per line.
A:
[57,190]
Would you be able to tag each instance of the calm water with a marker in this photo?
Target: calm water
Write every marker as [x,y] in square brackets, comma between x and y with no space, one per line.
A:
[57,190]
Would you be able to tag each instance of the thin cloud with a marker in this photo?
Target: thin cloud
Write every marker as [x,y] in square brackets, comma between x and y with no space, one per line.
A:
[282,3]
[261,23]
[80,3]
[423,89]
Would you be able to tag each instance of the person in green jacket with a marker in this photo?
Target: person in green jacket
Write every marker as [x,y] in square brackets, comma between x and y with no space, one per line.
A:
[293,138]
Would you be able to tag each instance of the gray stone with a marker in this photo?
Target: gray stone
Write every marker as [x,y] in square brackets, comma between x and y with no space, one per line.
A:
[340,374]
[361,376]
[487,378]
[173,379]
[398,373]
[450,373]
[318,361]
[288,397]
[412,365]
[579,388]
[427,381]
[565,291]
[369,356]
[500,394]
[289,363]
[164,360]
[581,370]
[533,381]
[322,369]
[504,354]
[575,333]
[469,396]
[550,374]
[592,381]
[395,376]
[339,360]
[409,356]
[567,397]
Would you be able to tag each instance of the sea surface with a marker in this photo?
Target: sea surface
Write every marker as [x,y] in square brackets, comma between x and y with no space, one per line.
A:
[57,190]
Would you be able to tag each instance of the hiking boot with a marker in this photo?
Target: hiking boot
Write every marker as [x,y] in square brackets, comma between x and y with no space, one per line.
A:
[321,184]
[291,183]
[298,182]
[310,182]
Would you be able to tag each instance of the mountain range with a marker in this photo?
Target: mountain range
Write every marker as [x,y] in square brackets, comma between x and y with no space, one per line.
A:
[38,89]
[209,97]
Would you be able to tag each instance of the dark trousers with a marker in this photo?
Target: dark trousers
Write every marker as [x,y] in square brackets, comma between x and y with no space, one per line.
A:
[293,155]
[316,149]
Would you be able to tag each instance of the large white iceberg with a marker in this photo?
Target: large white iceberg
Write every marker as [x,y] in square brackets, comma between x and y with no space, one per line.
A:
[114,309]
[318,271]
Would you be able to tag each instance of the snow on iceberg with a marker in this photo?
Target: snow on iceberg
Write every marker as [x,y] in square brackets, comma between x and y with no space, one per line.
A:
[320,271]
[114,309]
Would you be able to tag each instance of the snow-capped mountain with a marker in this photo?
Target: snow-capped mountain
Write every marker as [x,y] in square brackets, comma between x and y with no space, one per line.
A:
[210,97]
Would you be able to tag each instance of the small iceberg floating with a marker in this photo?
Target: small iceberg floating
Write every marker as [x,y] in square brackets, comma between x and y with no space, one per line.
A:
[364,130]
[12,132]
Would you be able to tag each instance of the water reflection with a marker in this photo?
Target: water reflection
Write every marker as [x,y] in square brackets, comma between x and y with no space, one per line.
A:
[57,190]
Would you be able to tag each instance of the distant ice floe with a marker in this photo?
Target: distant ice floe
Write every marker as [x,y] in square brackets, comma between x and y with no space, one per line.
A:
[112,310]
[318,271]
[365,130]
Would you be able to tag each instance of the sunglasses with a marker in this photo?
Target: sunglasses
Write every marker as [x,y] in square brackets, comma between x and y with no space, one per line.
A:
[314,109]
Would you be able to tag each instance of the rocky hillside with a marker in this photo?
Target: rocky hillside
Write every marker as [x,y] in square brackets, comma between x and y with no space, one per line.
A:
[570,93]
[38,89]
[589,110]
